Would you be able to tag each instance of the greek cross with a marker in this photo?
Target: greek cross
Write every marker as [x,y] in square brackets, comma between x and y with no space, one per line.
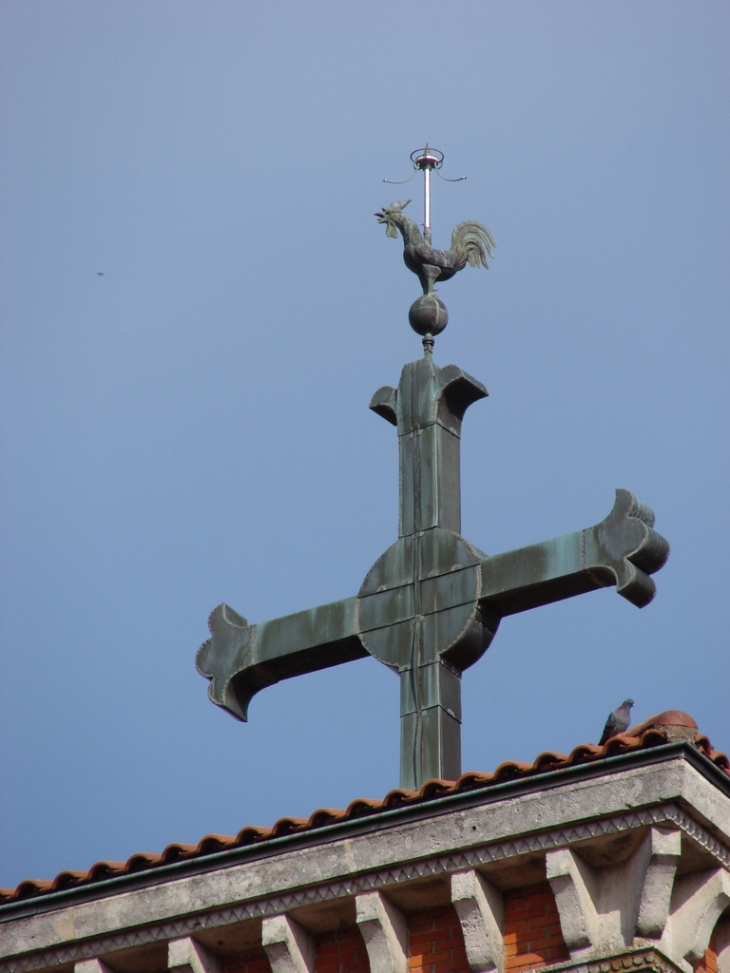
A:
[431,604]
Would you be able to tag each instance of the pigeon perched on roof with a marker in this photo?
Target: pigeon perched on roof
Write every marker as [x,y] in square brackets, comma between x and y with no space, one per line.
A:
[617,722]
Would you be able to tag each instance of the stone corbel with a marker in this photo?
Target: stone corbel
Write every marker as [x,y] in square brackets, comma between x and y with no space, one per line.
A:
[481,914]
[91,966]
[575,889]
[604,910]
[698,901]
[288,946]
[651,875]
[383,927]
[189,956]
[722,944]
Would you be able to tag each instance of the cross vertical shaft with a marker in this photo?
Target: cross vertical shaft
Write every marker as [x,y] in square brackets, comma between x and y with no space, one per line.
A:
[430,498]
[427,408]
[429,440]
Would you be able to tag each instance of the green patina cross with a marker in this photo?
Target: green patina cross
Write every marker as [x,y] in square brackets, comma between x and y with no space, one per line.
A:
[431,604]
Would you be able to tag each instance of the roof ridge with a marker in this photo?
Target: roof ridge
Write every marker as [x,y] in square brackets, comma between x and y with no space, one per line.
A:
[655,731]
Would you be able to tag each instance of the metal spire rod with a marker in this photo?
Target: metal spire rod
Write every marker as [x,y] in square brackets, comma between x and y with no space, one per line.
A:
[427,159]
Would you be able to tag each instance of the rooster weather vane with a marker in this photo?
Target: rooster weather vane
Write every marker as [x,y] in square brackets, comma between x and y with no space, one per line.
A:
[471,243]
[431,604]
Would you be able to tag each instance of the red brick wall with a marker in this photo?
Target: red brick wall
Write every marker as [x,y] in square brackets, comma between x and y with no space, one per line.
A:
[532,939]
[254,961]
[342,951]
[436,944]
[532,934]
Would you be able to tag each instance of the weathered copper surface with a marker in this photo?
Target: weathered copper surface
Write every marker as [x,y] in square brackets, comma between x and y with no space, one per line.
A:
[471,243]
[431,604]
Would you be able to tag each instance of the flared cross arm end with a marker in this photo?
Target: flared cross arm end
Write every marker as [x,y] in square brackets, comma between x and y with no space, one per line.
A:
[241,659]
[623,549]
[385,404]
[630,547]
[428,394]
[226,651]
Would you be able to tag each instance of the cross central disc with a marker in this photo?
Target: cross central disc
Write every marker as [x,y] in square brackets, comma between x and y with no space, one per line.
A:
[419,602]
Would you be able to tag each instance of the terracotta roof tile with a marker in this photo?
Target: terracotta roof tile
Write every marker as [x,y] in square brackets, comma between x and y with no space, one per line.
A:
[659,729]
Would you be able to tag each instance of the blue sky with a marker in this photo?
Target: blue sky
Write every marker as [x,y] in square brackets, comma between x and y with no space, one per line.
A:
[192,426]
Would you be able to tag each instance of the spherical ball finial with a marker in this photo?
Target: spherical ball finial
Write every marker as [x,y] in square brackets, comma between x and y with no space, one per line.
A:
[428,315]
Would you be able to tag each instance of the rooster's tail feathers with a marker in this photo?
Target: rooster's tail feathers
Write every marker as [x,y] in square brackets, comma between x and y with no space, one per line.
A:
[476,240]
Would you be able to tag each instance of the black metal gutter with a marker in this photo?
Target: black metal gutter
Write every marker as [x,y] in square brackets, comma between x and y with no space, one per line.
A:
[425,808]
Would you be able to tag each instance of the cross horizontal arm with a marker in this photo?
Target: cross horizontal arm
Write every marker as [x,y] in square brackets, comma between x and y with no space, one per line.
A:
[622,550]
[241,659]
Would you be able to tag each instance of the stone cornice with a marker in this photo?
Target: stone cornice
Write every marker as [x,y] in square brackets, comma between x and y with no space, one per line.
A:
[666,814]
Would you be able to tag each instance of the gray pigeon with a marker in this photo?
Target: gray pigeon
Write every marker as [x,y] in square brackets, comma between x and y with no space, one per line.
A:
[617,722]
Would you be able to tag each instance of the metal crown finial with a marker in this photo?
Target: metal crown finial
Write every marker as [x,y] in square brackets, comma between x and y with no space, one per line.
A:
[425,160]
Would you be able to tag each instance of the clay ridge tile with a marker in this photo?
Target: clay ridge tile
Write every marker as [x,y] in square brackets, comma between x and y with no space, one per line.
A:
[31,886]
[718,758]
[657,730]
[104,870]
[250,834]
[285,826]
